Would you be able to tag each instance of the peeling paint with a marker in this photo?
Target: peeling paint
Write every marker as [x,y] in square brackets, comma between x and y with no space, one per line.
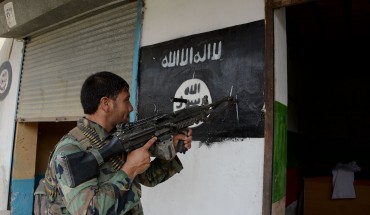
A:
[22,196]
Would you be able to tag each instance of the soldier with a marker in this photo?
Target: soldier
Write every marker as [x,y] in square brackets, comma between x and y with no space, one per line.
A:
[105,99]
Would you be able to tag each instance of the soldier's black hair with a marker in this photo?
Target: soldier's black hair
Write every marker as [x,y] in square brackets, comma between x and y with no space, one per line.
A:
[99,85]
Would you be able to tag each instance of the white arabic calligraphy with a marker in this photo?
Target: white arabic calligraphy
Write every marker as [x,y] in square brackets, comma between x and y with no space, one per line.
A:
[186,57]
[193,91]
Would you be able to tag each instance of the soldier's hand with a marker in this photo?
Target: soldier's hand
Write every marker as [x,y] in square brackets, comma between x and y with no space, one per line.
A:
[186,137]
[138,160]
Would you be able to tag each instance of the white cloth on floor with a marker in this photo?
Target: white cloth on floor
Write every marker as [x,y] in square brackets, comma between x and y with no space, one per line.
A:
[343,178]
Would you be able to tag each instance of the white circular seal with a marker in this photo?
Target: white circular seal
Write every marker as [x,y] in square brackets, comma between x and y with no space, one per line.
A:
[5,79]
[193,90]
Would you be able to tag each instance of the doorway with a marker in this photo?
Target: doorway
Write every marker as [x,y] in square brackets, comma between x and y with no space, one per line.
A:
[328,101]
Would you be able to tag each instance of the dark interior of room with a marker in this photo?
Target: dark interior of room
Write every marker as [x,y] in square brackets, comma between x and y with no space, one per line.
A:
[328,62]
[328,45]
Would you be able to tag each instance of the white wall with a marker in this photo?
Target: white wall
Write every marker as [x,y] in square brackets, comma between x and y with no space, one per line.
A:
[10,50]
[2,40]
[281,68]
[226,178]
[167,19]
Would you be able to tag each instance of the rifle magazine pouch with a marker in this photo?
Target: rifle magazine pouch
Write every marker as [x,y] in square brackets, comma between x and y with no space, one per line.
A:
[165,150]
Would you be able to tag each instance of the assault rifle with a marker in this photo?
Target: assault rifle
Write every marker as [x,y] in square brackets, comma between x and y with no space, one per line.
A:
[84,165]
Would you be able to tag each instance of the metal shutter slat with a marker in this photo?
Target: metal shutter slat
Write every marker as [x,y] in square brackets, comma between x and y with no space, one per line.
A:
[56,63]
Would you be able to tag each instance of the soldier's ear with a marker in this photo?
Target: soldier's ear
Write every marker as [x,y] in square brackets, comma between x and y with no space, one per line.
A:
[105,104]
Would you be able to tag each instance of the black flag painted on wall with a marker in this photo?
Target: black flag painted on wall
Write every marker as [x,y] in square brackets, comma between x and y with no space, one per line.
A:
[219,63]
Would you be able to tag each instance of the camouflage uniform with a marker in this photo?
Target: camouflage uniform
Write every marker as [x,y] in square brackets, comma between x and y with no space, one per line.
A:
[112,192]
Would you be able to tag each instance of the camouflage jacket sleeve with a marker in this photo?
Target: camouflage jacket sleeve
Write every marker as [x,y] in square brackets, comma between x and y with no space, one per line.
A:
[113,196]
[159,171]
